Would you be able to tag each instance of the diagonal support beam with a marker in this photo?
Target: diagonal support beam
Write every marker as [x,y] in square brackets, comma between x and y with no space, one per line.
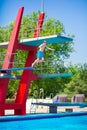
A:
[28,76]
[10,50]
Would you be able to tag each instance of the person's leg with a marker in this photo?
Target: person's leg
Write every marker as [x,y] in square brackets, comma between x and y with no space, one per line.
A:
[41,60]
[35,62]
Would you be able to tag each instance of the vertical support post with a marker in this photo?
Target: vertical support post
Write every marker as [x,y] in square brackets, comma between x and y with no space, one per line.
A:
[39,25]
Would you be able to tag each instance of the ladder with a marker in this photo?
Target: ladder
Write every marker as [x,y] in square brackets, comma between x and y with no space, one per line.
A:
[32,106]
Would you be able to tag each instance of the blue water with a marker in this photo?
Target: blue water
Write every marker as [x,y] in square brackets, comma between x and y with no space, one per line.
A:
[60,123]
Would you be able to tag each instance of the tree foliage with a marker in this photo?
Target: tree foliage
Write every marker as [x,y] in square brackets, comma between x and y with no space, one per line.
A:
[62,51]
[78,84]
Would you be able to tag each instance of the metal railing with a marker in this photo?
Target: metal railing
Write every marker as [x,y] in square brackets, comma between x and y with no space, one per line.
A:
[29,30]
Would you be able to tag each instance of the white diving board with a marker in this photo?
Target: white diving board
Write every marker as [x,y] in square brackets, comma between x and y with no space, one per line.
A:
[54,75]
[4,44]
[80,104]
[53,106]
[39,40]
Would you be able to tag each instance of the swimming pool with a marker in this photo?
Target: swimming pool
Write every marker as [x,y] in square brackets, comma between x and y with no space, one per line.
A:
[60,121]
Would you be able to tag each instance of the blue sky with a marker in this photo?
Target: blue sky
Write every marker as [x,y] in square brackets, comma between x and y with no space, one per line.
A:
[72,13]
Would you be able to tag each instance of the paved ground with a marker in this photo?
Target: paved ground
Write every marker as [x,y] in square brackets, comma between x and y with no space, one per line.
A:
[43,109]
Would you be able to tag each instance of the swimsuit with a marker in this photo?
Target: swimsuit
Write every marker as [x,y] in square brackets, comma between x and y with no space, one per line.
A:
[40,54]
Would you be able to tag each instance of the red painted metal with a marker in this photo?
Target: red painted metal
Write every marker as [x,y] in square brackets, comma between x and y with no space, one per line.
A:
[20,102]
[13,40]
[28,76]
[39,25]
[10,51]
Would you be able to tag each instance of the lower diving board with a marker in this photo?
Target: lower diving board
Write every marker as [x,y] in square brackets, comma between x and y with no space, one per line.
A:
[54,75]
[7,75]
[16,69]
[10,76]
[53,106]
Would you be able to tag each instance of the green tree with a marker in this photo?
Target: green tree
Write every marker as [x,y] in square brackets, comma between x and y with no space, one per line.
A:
[83,72]
[78,84]
[62,51]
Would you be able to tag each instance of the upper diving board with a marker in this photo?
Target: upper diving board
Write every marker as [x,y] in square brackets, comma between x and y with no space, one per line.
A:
[54,75]
[4,44]
[15,69]
[49,39]
[39,40]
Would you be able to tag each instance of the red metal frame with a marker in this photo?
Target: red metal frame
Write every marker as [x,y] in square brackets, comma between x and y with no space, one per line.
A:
[19,106]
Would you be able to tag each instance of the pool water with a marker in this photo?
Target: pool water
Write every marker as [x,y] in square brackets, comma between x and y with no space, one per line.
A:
[58,123]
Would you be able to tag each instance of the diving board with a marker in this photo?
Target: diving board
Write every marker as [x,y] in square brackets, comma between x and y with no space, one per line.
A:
[49,39]
[4,75]
[39,40]
[80,104]
[54,75]
[8,76]
[53,106]
[15,69]
[4,44]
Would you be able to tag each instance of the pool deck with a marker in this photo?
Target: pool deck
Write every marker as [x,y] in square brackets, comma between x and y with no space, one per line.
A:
[30,108]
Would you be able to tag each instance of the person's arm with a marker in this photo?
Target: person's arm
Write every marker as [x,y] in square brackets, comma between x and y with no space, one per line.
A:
[49,48]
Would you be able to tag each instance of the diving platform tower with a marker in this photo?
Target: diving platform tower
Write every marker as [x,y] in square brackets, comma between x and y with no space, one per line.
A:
[19,106]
